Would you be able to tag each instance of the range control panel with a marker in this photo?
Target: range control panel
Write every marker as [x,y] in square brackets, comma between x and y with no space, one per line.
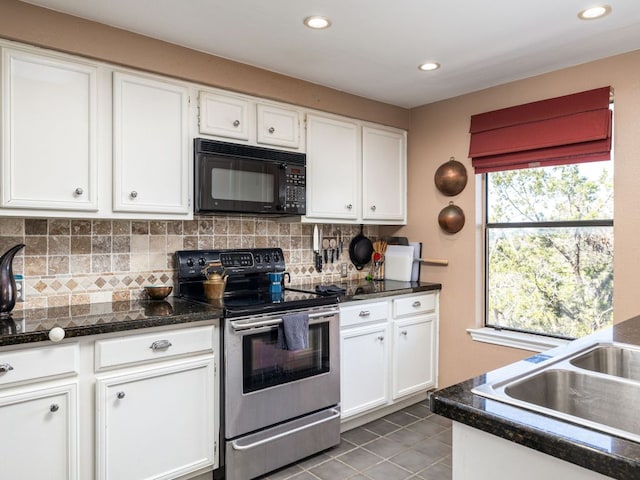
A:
[235,262]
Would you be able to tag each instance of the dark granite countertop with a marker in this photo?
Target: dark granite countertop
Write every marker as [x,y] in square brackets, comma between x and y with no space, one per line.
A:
[370,290]
[607,454]
[33,325]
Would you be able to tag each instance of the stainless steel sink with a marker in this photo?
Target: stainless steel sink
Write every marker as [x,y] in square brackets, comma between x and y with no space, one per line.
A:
[597,387]
[611,360]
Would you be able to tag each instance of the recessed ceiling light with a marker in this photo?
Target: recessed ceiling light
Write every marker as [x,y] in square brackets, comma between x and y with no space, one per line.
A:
[317,22]
[592,13]
[429,66]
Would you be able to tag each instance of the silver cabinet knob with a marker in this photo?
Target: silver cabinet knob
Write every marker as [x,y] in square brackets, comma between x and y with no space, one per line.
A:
[349,207]
[381,338]
[416,304]
[133,194]
[78,191]
[373,208]
[160,345]
[5,367]
[120,395]
[236,123]
[54,407]
[272,130]
[364,313]
[403,332]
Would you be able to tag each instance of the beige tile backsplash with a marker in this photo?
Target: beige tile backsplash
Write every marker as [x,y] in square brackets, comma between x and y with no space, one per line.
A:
[69,261]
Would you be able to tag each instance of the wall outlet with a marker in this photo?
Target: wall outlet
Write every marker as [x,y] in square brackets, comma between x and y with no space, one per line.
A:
[19,288]
[343,270]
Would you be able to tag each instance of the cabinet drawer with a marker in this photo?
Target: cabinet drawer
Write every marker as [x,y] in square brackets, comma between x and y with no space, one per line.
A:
[415,304]
[364,313]
[153,346]
[34,364]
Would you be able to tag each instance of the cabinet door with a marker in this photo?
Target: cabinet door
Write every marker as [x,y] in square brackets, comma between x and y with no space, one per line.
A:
[278,126]
[414,353]
[156,423]
[333,168]
[224,116]
[151,145]
[49,133]
[384,182]
[364,370]
[40,434]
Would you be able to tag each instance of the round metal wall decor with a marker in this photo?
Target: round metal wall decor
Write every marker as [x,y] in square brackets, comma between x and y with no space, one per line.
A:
[451,177]
[451,218]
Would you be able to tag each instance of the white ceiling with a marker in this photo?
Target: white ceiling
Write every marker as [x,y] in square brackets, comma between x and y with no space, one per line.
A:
[374,46]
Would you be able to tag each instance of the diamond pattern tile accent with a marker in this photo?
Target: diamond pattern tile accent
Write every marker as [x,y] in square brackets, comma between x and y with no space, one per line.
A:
[100,282]
[72,284]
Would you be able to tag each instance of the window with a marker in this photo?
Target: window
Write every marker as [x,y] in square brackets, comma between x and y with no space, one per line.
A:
[549,249]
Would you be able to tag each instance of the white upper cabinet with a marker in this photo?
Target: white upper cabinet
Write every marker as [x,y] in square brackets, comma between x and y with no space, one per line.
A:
[333,168]
[384,178]
[49,132]
[150,145]
[356,172]
[278,126]
[224,115]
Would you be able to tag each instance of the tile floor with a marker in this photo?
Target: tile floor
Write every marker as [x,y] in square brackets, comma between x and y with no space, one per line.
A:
[412,443]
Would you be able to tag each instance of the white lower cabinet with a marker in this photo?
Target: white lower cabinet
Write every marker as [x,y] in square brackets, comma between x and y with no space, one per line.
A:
[364,383]
[156,423]
[40,434]
[388,351]
[413,355]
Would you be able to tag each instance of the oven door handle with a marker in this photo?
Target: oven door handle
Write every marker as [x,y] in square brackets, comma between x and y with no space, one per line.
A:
[272,322]
[335,413]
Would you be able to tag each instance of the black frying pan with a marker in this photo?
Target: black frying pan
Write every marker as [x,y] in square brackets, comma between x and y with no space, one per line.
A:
[360,250]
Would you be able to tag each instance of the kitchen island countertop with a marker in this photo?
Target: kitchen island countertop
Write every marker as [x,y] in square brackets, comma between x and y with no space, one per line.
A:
[600,452]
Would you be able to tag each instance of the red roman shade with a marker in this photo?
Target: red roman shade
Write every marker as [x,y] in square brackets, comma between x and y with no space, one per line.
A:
[570,129]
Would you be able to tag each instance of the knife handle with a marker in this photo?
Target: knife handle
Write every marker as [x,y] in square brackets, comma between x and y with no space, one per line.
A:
[318,262]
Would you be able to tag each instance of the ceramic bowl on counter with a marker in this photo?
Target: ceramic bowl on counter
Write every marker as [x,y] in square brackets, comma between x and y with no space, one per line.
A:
[158,292]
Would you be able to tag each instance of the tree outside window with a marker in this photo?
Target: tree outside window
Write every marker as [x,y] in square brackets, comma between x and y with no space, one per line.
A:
[549,249]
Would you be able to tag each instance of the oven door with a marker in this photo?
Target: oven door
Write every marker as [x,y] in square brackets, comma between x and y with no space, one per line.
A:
[232,184]
[265,385]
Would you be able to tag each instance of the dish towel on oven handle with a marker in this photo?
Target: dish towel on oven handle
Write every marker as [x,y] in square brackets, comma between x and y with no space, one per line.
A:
[293,332]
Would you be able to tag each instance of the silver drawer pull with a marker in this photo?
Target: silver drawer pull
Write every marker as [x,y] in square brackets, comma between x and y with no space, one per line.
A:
[236,123]
[120,395]
[5,367]
[364,313]
[403,332]
[272,130]
[416,304]
[54,407]
[381,338]
[78,191]
[160,345]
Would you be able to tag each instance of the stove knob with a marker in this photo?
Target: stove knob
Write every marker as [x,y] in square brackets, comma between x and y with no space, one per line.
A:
[189,262]
[267,258]
[201,261]
[258,258]
[276,257]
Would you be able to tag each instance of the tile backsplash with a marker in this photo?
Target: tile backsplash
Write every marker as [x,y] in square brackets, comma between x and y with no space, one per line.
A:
[77,261]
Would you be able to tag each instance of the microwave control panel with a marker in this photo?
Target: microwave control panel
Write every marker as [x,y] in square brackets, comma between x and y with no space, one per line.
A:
[295,189]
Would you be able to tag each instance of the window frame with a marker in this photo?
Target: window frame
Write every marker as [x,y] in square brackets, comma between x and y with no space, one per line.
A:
[519,335]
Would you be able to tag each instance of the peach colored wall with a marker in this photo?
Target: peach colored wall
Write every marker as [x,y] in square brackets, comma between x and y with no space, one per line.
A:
[440,130]
[37,26]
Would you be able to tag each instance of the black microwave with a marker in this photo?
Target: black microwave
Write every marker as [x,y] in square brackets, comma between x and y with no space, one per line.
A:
[237,178]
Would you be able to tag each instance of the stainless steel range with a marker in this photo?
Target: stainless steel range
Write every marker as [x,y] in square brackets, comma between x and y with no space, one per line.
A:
[279,405]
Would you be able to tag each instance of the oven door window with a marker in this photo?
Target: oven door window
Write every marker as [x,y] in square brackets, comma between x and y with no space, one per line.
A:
[265,365]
